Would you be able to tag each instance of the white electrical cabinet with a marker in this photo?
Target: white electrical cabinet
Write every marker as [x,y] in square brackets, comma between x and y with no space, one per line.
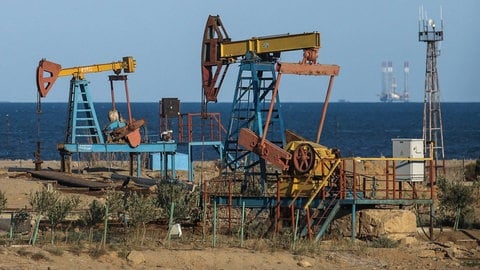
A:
[408,170]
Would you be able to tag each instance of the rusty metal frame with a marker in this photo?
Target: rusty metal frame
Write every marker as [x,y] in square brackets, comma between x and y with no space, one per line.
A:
[213,67]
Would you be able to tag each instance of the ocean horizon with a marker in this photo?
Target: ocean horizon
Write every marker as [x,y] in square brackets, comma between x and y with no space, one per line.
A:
[364,129]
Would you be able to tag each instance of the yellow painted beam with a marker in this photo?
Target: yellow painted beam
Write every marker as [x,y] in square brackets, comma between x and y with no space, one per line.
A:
[127,65]
[270,44]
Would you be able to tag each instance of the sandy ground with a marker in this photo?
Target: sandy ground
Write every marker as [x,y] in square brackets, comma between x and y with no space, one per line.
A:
[451,250]
[421,255]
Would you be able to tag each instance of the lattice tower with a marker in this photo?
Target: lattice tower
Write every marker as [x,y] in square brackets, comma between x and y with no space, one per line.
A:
[432,34]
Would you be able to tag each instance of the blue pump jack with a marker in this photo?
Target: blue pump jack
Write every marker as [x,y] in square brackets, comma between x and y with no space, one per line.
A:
[255,83]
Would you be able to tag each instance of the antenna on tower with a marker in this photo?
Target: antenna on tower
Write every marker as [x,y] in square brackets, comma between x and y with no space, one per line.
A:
[441,16]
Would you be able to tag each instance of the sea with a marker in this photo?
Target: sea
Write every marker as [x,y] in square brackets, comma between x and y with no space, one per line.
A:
[356,129]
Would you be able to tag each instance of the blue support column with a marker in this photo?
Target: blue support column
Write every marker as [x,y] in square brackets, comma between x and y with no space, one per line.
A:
[139,165]
[174,174]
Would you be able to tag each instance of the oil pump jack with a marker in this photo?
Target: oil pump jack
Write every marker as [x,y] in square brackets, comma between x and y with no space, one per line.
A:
[313,179]
[83,132]
[256,111]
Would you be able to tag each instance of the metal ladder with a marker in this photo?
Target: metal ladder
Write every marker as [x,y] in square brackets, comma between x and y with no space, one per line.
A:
[255,83]
[252,98]
[321,217]
[82,122]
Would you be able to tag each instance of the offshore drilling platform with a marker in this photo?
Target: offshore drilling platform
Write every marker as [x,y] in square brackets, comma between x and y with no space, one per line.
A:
[389,84]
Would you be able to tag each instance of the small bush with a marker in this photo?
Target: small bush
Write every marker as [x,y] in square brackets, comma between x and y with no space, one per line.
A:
[472,171]
[256,229]
[456,200]
[24,252]
[96,252]
[50,204]
[76,249]
[384,242]
[21,217]
[284,239]
[3,201]
[116,202]
[94,215]
[185,200]
[55,251]
[260,245]
[305,246]
[40,256]
[141,209]
[123,252]
[471,263]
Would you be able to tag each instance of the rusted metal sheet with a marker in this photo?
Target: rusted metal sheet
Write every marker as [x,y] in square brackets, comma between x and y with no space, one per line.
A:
[131,132]
[213,67]
[292,136]
[308,69]
[69,180]
[268,151]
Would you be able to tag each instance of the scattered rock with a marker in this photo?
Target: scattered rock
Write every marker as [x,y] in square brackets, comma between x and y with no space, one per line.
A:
[135,257]
[408,240]
[394,223]
[467,243]
[426,253]
[448,244]
[110,257]
[153,189]
[304,264]
[451,252]
[456,264]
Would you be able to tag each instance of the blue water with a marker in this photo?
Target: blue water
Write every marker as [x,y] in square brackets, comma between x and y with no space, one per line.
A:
[357,129]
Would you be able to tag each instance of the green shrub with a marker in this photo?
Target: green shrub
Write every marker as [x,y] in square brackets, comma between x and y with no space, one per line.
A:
[40,256]
[185,200]
[96,252]
[384,242]
[470,263]
[54,251]
[24,252]
[94,215]
[76,248]
[21,217]
[141,210]
[456,200]
[477,167]
[116,202]
[472,171]
[50,204]
[3,201]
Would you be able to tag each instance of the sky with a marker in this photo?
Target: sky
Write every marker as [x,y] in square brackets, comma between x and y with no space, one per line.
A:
[165,39]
